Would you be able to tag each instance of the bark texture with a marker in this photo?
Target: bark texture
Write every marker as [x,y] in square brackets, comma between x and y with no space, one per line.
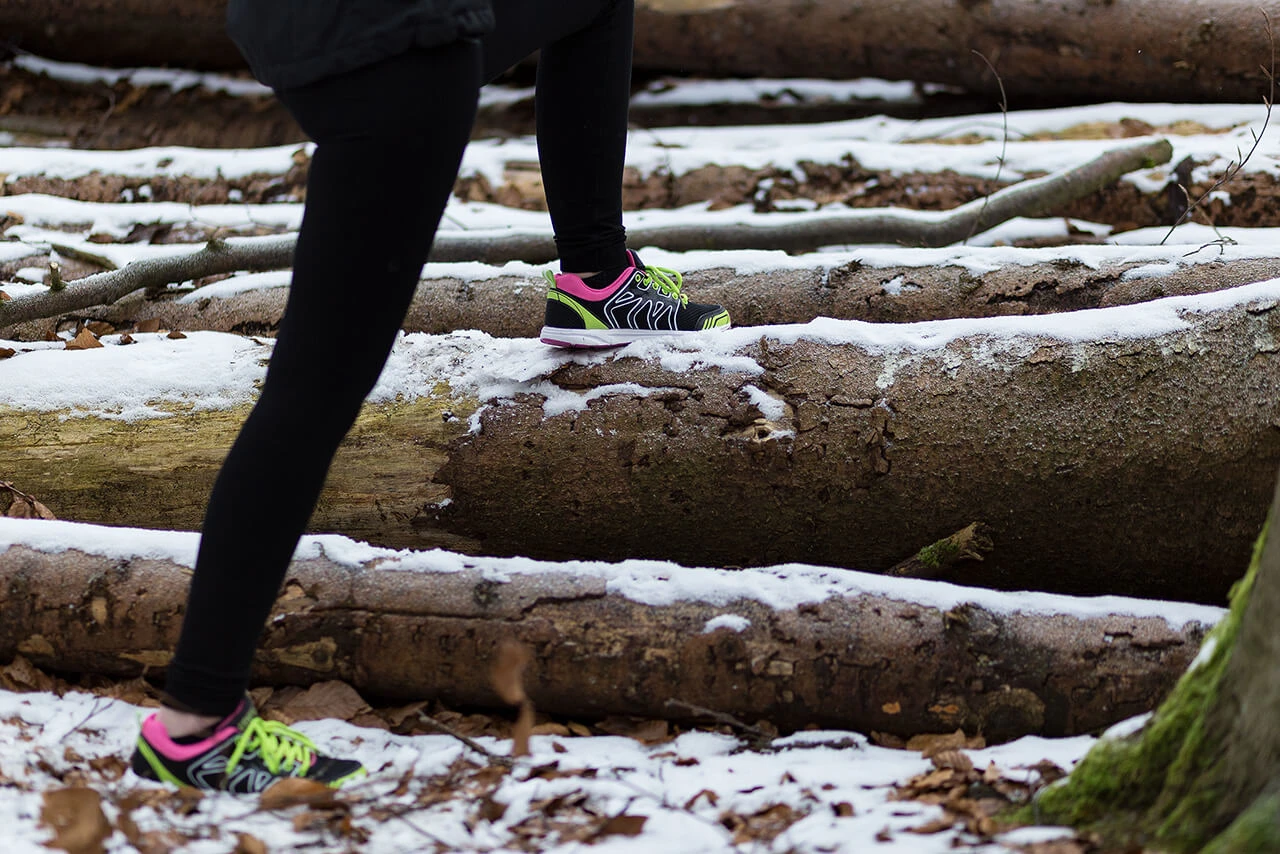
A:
[1138,466]
[864,662]
[1069,50]
[509,307]
[1077,50]
[1204,773]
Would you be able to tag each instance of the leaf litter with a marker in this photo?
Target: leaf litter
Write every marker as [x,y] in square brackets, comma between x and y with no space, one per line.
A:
[611,784]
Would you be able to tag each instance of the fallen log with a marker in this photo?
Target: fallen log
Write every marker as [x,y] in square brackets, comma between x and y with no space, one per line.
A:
[513,307]
[1074,50]
[1123,450]
[794,645]
[1032,197]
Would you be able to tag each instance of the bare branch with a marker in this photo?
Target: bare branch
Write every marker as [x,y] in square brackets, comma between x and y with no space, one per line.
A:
[1234,167]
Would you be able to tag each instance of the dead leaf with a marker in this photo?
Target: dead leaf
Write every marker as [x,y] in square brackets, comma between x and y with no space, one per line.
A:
[712,798]
[507,675]
[293,791]
[111,767]
[623,825]
[75,816]
[176,335]
[929,744]
[84,340]
[126,339]
[151,324]
[523,730]
[952,759]
[645,730]
[4,297]
[249,844]
[21,675]
[844,809]
[491,810]
[99,327]
[7,352]
[938,825]
[891,708]
[332,699]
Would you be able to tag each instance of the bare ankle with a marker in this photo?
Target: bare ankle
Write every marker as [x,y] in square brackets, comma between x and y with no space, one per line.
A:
[180,724]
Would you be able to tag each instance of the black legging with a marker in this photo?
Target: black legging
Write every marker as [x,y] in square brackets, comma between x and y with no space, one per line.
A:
[389,140]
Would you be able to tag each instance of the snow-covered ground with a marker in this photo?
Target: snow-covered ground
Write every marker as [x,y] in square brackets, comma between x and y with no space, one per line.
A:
[828,791]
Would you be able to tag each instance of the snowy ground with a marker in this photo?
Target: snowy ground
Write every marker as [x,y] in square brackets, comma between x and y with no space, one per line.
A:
[701,792]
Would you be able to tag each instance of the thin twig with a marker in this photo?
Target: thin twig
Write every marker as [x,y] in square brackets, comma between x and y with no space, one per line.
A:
[1234,167]
[674,705]
[1004,143]
[443,727]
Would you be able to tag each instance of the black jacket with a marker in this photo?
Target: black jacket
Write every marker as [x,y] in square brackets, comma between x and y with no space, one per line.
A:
[291,43]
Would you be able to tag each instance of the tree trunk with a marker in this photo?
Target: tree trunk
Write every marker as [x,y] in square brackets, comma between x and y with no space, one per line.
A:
[1101,462]
[1067,50]
[1204,772]
[1074,50]
[846,654]
[511,307]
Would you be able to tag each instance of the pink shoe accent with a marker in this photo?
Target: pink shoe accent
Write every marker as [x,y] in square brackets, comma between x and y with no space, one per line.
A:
[575,287]
[158,737]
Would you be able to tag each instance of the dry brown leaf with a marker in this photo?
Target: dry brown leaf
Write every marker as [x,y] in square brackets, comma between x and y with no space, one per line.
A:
[891,708]
[551,728]
[4,297]
[7,352]
[646,730]
[99,327]
[332,699]
[111,767]
[84,340]
[249,844]
[491,810]
[75,816]
[952,759]
[126,339]
[938,825]
[623,825]
[292,791]
[176,335]
[712,798]
[22,675]
[151,324]
[523,730]
[929,744]
[507,675]
[844,809]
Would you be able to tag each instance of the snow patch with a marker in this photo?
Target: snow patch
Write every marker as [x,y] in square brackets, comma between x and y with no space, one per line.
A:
[732,622]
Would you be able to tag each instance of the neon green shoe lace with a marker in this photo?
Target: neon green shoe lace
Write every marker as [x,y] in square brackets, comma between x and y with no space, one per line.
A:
[664,279]
[278,745]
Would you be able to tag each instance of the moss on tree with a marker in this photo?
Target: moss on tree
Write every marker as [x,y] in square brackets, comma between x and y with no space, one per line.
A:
[1162,786]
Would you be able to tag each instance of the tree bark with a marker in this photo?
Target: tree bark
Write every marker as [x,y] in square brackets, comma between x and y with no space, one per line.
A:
[851,660]
[1204,773]
[1134,465]
[510,307]
[1075,50]
[1071,50]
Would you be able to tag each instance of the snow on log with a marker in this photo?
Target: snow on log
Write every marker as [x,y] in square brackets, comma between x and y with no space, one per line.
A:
[513,307]
[795,645]
[1127,449]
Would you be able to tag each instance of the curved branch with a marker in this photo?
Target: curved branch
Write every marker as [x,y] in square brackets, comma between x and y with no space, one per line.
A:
[1034,197]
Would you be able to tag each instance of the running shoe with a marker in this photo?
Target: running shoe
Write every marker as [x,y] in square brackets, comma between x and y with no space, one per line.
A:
[245,755]
[642,302]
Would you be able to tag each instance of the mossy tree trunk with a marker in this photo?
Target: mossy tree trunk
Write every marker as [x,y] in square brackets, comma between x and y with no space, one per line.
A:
[1204,773]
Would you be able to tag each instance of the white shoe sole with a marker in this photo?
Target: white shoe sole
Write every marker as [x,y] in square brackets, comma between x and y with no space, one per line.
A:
[558,337]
